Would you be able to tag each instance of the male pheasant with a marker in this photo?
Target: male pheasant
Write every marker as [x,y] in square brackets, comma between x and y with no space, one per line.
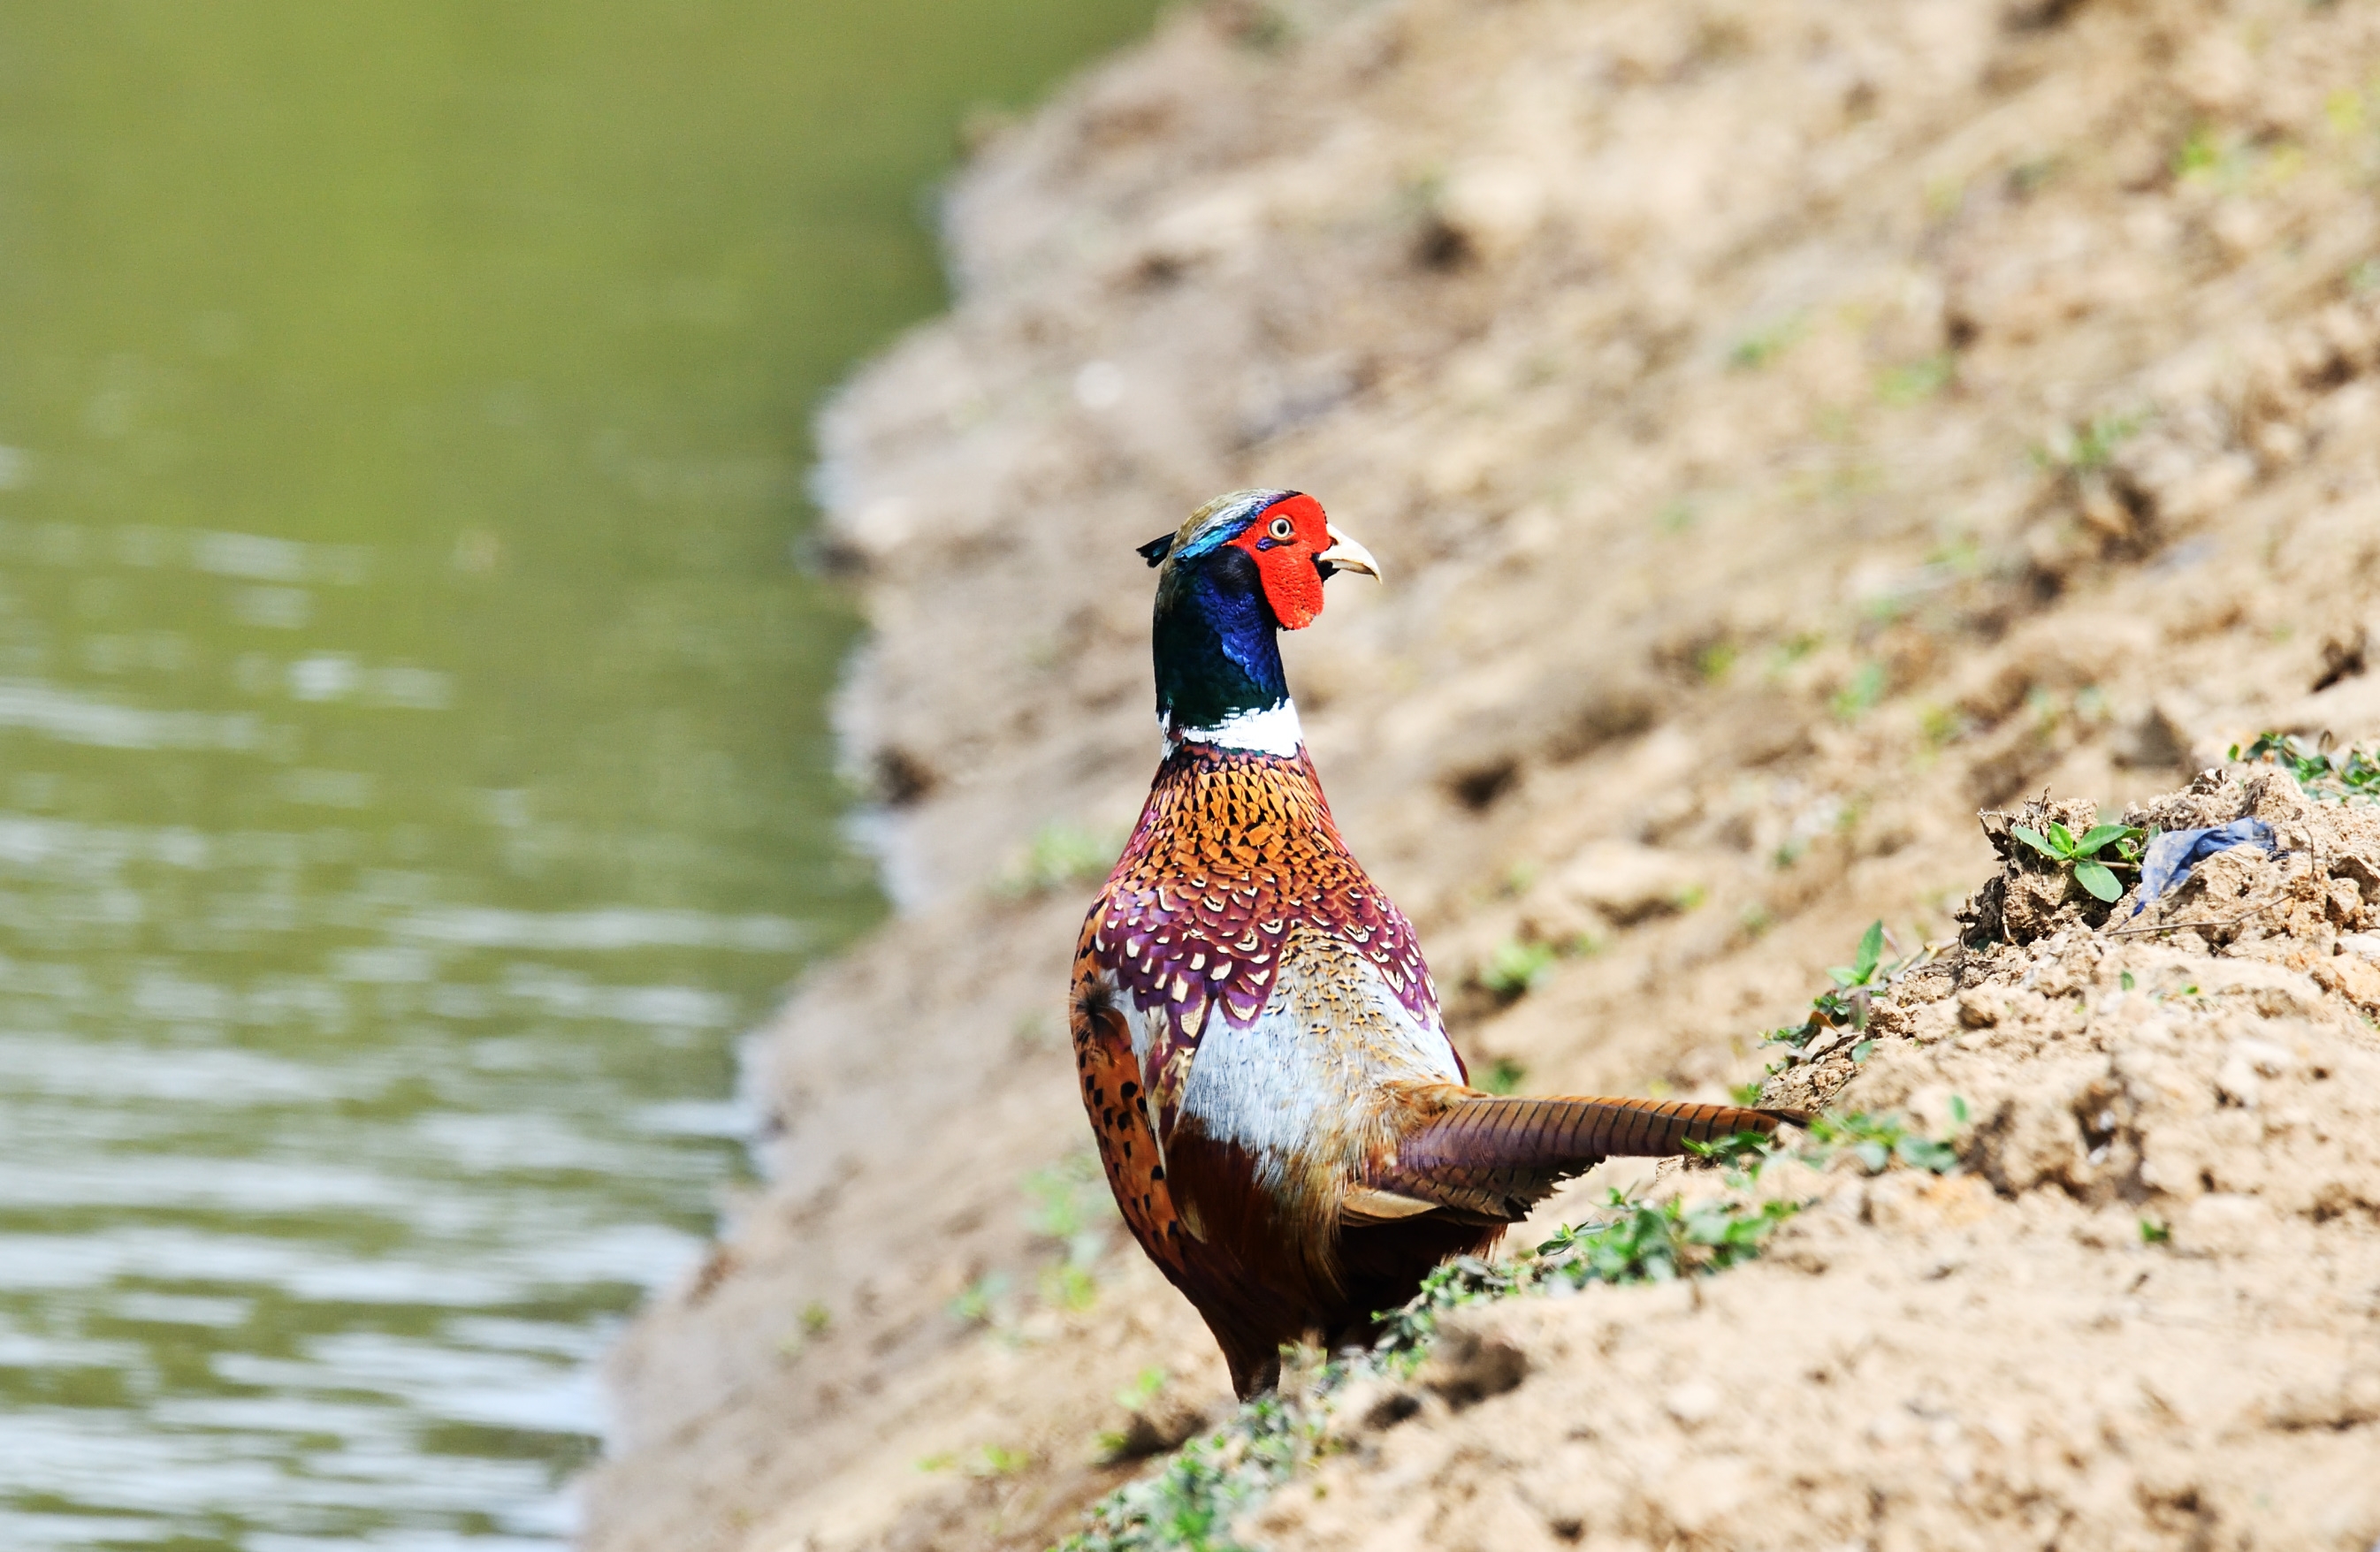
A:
[1281,1118]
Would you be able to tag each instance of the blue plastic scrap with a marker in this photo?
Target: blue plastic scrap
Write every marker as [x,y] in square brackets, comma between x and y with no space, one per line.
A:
[2172,855]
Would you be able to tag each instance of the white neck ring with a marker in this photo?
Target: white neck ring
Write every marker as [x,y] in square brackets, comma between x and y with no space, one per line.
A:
[1272,731]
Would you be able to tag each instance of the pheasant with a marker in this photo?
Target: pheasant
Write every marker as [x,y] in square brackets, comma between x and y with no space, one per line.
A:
[1283,1121]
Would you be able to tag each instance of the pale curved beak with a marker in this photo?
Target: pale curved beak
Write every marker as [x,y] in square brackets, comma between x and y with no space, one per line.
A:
[1345,554]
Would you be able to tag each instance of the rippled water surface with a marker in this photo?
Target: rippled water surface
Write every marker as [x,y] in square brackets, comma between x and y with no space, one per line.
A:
[412,770]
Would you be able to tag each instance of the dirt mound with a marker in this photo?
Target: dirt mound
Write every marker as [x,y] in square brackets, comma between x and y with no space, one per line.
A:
[1788,431]
[2140,1314]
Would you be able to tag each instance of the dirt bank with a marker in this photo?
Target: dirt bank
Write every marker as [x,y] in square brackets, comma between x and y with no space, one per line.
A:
[1787,432]
[2138,1311]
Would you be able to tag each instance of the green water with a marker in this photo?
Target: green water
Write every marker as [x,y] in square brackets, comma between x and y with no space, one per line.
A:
[413,770]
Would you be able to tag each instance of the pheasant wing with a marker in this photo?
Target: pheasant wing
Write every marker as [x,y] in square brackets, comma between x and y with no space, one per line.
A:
[1113,1095]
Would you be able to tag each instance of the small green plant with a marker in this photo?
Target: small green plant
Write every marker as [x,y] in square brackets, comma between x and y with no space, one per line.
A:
[974,1306]
[2090,447]
[2304,761]
[2199,153]
[1642,1242]
[1742,1152]
[1755,350]
[1661,1243]
[1266,29]
[1848,1000]
[1855,986]
[2348,773]
[1866,968]
[1503,1075]
[1142,1389]
[988,1460]
[2344,109]
[1860,694]
[812,1324]
[1209,1482]
[1941,724]
[1917,381]
[2153,1232]
[1069,1286]
[1791,650]
[2082,853]
[1877,1140]
[1069,1201]
[996,1460]
[1515,968]
[1466,1279]
[1063,854]
[2026,178]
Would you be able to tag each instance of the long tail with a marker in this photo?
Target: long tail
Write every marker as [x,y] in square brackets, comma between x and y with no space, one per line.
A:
[1497,1157]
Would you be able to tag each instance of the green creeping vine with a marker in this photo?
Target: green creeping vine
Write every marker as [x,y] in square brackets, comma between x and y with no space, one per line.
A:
[1644,1241]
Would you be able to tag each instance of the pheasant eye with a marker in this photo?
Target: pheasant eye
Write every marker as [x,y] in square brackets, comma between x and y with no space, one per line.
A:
[1283,529]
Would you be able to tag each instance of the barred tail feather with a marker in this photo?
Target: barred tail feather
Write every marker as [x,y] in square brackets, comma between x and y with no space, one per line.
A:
[1497,1156]
[1517,1133]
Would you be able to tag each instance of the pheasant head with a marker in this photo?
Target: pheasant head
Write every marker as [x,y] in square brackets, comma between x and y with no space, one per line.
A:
[1244,567]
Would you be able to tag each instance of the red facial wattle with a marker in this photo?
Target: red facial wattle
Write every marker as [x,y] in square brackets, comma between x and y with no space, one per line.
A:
[1284,540]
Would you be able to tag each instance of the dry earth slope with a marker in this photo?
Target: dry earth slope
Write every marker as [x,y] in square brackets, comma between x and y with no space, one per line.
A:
[2141,1310]
[1788,428]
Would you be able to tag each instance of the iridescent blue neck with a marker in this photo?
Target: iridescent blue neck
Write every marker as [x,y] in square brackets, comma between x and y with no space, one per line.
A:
[1216,657]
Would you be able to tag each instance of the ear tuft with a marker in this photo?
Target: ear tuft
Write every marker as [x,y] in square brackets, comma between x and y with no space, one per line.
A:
[1156,550]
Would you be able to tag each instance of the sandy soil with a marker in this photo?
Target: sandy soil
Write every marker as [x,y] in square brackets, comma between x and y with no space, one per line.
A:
[1787,432]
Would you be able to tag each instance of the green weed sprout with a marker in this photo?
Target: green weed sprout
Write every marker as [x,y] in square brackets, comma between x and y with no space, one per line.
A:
[2091,447]
[2082,853]
[1063,854]
[1855,985]
[1738,1151]
[1503,1075]
[1867,962]
[1514,969]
